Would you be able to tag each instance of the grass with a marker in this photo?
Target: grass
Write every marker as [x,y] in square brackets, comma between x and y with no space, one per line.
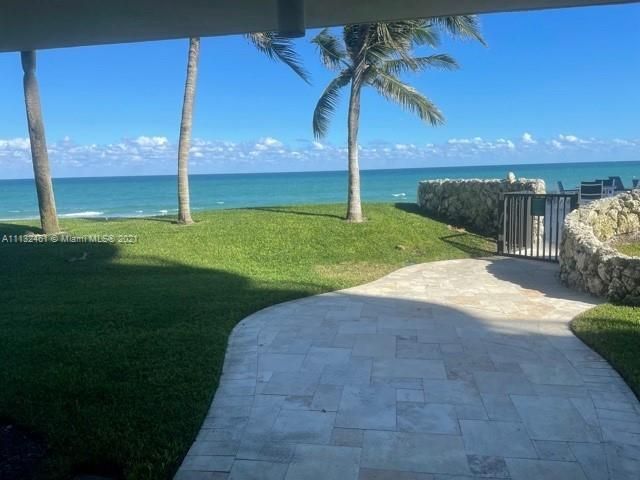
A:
[114,359]
[614,332]
[631,249]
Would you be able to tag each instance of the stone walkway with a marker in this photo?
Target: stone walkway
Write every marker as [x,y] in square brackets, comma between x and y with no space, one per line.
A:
[449,370]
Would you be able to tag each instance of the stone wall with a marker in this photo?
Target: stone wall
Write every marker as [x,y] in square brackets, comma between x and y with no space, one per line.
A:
[588,260]
[471,203]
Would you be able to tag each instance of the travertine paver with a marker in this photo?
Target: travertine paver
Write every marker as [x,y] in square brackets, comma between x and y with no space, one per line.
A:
[455,369]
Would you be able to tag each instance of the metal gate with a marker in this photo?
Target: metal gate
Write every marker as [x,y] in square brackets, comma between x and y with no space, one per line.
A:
[532,224]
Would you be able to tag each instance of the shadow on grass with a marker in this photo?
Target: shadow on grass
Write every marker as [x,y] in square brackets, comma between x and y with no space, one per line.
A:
[474,244]
[416,210]
[114,360]
[165,219]
[293,212]
[160,218]
[464,242]
[410,208]
[8,229]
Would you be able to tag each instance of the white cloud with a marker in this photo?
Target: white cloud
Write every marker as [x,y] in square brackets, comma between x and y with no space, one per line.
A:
[503,143]
[528,139]
[568,138]
[264,144]
[271,142]
[574,139]
[150,141]
[15,144]
[157,155]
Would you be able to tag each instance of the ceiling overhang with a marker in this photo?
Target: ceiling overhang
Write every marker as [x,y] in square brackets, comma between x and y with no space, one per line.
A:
[40,24]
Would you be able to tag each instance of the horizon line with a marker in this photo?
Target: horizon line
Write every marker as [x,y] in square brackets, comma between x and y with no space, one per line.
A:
[328,171]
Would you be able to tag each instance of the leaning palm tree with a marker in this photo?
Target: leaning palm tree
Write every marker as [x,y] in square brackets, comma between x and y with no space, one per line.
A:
[374,55]
[272,45]
[39,155]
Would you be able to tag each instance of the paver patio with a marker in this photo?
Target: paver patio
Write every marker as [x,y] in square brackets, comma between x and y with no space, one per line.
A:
[447,370]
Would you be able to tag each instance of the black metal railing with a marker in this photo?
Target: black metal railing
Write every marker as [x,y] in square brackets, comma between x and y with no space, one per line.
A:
[531,224]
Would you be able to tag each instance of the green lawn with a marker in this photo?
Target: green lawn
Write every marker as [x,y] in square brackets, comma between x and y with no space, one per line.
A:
[114,359]
[632,249]
[614,332]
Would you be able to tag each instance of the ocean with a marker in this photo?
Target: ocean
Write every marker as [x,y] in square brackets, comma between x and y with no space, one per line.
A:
[141,196]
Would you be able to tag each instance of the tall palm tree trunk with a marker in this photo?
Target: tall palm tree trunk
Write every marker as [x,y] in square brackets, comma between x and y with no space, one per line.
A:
[39,155]
[354,206]
[184,207]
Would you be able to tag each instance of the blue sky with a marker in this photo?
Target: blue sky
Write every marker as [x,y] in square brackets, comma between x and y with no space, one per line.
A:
[552,86]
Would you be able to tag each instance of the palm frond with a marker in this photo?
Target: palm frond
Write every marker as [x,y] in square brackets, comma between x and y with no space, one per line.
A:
[331,51]
[408,33]
[398,66]
[397,39]
[327,103]
[394,36]
[467,26]
[425,34]
[406,96]
[279,48]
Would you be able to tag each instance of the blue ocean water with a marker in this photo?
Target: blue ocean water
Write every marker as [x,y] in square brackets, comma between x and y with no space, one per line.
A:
[156,195]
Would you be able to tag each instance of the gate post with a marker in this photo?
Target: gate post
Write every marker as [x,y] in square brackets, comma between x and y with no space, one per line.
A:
[501,224]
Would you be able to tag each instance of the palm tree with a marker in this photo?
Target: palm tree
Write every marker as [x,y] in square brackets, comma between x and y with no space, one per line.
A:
[184,144]
[39,155]
[269,43]
[375,55]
